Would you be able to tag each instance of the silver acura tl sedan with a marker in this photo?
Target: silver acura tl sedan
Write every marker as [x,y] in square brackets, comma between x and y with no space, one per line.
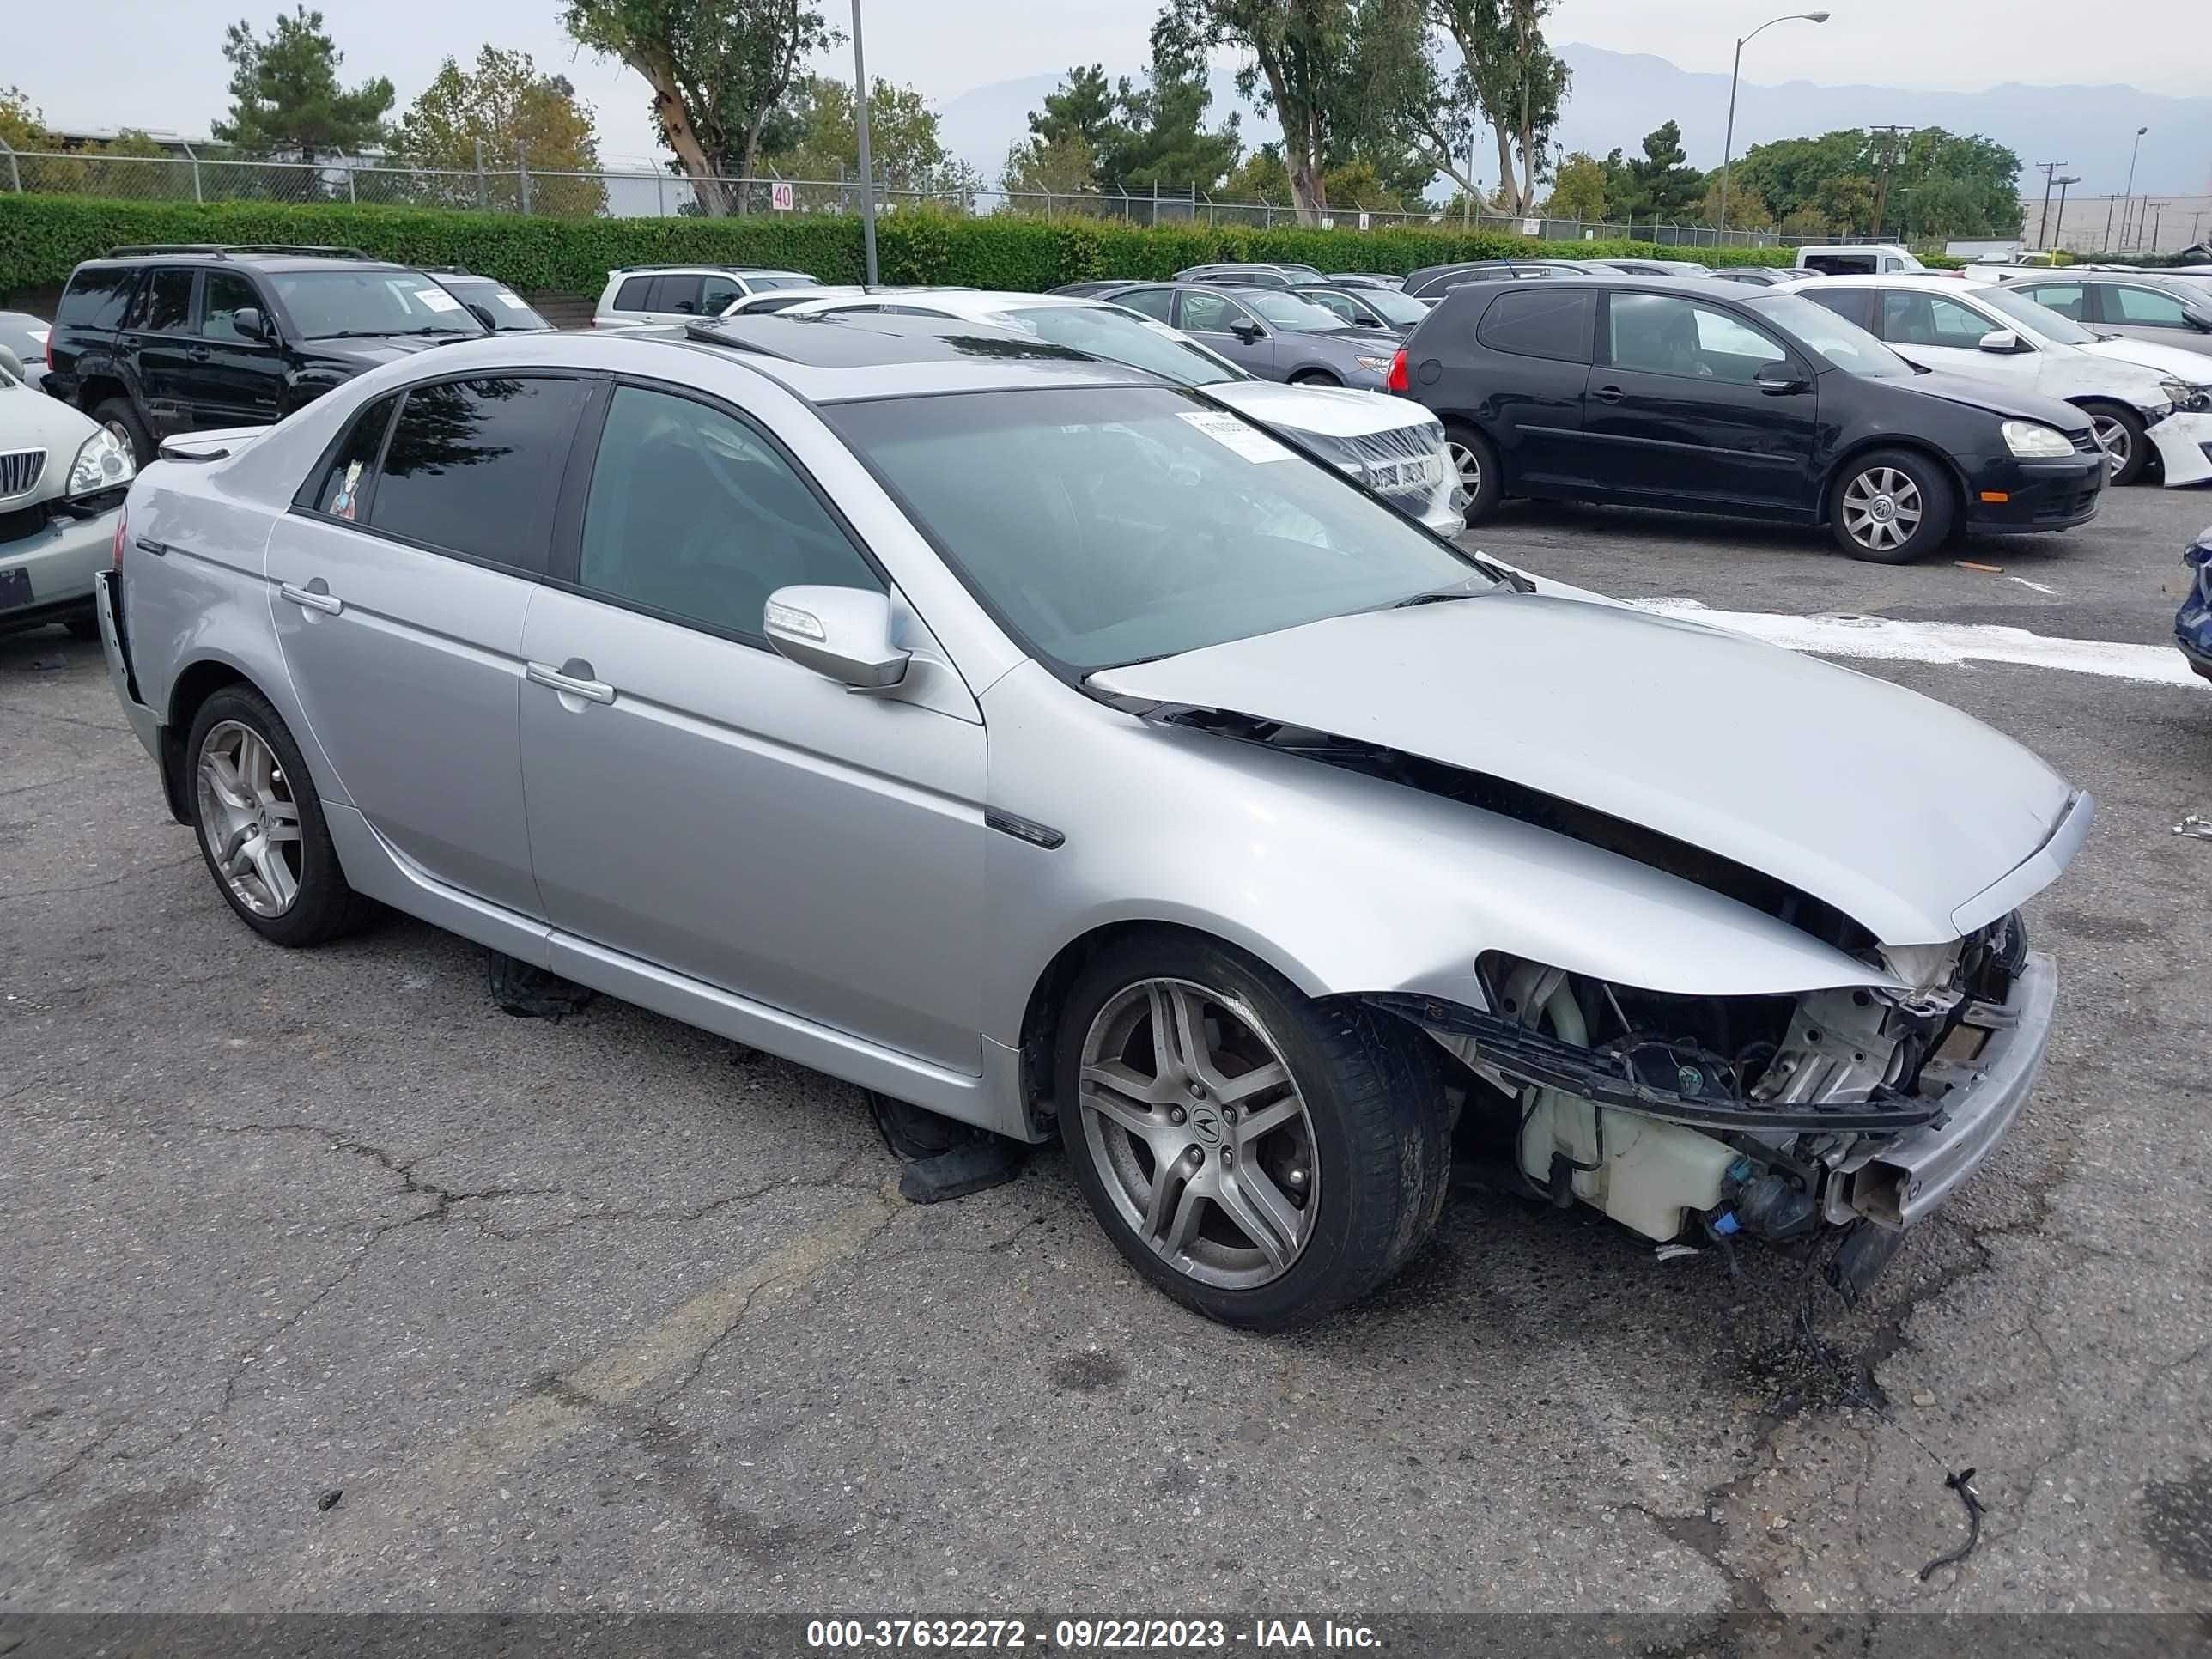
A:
[1048,747]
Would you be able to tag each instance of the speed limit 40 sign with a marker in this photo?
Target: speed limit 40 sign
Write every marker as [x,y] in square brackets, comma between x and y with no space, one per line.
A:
[779,196]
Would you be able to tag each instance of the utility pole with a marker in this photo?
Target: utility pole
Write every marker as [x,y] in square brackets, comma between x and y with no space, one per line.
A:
[2127,196]
[1888,160]
[2058,229]
[2043,225]
[2159,209]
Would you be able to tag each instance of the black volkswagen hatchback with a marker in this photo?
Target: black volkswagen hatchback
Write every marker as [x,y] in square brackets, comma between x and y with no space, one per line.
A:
[1686,394]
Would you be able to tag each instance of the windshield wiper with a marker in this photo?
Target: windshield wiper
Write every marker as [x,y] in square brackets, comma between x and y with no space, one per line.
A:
[1464,589]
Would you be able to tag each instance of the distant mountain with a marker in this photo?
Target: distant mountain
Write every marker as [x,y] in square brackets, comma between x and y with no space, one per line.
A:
[1618,97]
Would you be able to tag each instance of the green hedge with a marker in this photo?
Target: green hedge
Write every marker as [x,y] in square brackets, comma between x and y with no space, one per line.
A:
[41,237]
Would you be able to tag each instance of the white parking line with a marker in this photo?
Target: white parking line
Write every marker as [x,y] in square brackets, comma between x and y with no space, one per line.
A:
[1886,639]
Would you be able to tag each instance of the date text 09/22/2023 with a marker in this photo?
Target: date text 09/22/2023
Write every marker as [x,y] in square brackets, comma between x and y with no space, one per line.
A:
[1086,1635]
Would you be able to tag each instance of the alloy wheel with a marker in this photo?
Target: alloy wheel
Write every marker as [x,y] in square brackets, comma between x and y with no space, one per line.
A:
[1882,508]
[1199,1133]
[1468,466]
[2115,440]
[249,819]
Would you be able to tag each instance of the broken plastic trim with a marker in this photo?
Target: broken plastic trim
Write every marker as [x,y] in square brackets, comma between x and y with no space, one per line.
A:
[1606,1077]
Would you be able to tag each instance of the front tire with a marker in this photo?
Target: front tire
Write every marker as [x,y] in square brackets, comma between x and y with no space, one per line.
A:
[260,824]
[1315,377]
[1476,459]
[1891,506]
[2125,439]
[1264,1158]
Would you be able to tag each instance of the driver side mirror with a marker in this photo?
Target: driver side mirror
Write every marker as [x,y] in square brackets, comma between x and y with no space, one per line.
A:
[1251,332]
[2001,340]
[1775,379]
[13,364]
[842,633]
[248,322]
[2198,320]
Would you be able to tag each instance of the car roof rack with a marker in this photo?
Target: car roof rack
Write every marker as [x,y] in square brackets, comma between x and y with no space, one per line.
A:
[218,250]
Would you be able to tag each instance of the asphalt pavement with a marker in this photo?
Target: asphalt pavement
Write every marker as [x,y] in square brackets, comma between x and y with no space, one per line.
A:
[329,1286]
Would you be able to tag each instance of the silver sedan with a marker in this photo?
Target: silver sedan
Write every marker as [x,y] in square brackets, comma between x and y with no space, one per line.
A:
[1059,751]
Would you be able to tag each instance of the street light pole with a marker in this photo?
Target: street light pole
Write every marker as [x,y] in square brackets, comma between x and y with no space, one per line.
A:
[1728,147]
[2058,229]
[868,178]
[2127,194]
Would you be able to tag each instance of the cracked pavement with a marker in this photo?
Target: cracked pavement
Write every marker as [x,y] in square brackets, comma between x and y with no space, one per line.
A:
[609,1314]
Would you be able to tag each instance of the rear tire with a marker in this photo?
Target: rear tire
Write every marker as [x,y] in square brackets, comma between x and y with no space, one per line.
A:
[260,824]
[1480,480]
[1276,1160]
[2125,439]
[1891,506]
[120,418]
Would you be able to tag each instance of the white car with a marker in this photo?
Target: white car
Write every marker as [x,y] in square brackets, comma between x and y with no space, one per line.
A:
[2145,399]
[639,296]
[1394,446]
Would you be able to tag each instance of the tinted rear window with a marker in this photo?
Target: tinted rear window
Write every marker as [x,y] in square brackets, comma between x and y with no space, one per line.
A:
[633,293]
[467,465]
[95,297]
[1547,322]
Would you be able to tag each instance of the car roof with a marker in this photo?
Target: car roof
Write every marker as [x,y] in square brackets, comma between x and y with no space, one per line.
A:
[1930,282]
[708,268]
[841,358]
[273,256]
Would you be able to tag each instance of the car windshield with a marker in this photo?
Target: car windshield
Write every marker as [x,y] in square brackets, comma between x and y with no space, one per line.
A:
[1841,342]
[1287,310]
[2042,318]
[334,305]
[758,282]
[1394,308]
[509,311]
[1112,525]
[1123,337]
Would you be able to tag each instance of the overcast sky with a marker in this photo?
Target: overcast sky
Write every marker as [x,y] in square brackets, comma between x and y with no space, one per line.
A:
[158,64]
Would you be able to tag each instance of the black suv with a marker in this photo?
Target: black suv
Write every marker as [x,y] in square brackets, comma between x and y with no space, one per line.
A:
[157,340]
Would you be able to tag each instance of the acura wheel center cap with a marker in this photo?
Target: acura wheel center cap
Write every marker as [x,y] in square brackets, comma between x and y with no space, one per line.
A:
[1205,1124]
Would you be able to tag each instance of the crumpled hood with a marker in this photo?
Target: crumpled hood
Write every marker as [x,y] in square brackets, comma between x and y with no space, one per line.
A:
[2170,363]
[1897,810]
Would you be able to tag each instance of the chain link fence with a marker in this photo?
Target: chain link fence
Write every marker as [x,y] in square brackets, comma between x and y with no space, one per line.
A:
[647,195]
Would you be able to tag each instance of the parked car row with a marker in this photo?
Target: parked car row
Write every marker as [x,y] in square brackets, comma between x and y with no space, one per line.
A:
[932,702]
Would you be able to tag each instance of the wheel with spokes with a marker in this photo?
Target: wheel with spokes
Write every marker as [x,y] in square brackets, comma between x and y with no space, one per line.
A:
[1474,458]
[260,823]
[1891,506]
[2125,439]
[1263,1157]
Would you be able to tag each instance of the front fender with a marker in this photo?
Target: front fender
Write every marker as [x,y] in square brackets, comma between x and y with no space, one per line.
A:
[1342,883]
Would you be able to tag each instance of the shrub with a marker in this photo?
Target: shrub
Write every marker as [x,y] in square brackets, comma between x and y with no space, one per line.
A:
[42,237]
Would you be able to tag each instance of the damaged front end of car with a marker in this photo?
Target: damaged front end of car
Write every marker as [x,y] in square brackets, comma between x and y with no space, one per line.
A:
[1761,1116]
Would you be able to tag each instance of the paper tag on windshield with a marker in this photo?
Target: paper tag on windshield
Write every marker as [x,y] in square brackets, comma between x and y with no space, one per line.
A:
[1232,434]
[512,302]
[437,299]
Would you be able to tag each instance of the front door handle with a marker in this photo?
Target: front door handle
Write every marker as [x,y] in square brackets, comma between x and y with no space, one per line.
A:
[200,354]
[573,676]
[315,596]
[1608,394]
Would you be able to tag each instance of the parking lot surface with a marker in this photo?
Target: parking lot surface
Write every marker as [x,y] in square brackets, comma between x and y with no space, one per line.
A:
[328,1286]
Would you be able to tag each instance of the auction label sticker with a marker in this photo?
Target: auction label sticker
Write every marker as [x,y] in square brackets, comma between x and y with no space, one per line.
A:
[512,302]
[1232,434]
[437,299]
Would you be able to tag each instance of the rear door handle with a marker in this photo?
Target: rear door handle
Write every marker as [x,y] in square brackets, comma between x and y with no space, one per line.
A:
[316,596]
[1608,394]
[573,676]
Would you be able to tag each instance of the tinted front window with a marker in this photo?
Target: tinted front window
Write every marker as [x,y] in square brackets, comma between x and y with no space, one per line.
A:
[222,295]
[165,302]
[472,466]
[1541,323]
[1909,318]
[679,294]
[336,305]
[1111,526]
[95,298]
[2145,306]
[342,484]
[692,515]
[1658,334]
[1105,332]
[1152,301]
[715,293]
